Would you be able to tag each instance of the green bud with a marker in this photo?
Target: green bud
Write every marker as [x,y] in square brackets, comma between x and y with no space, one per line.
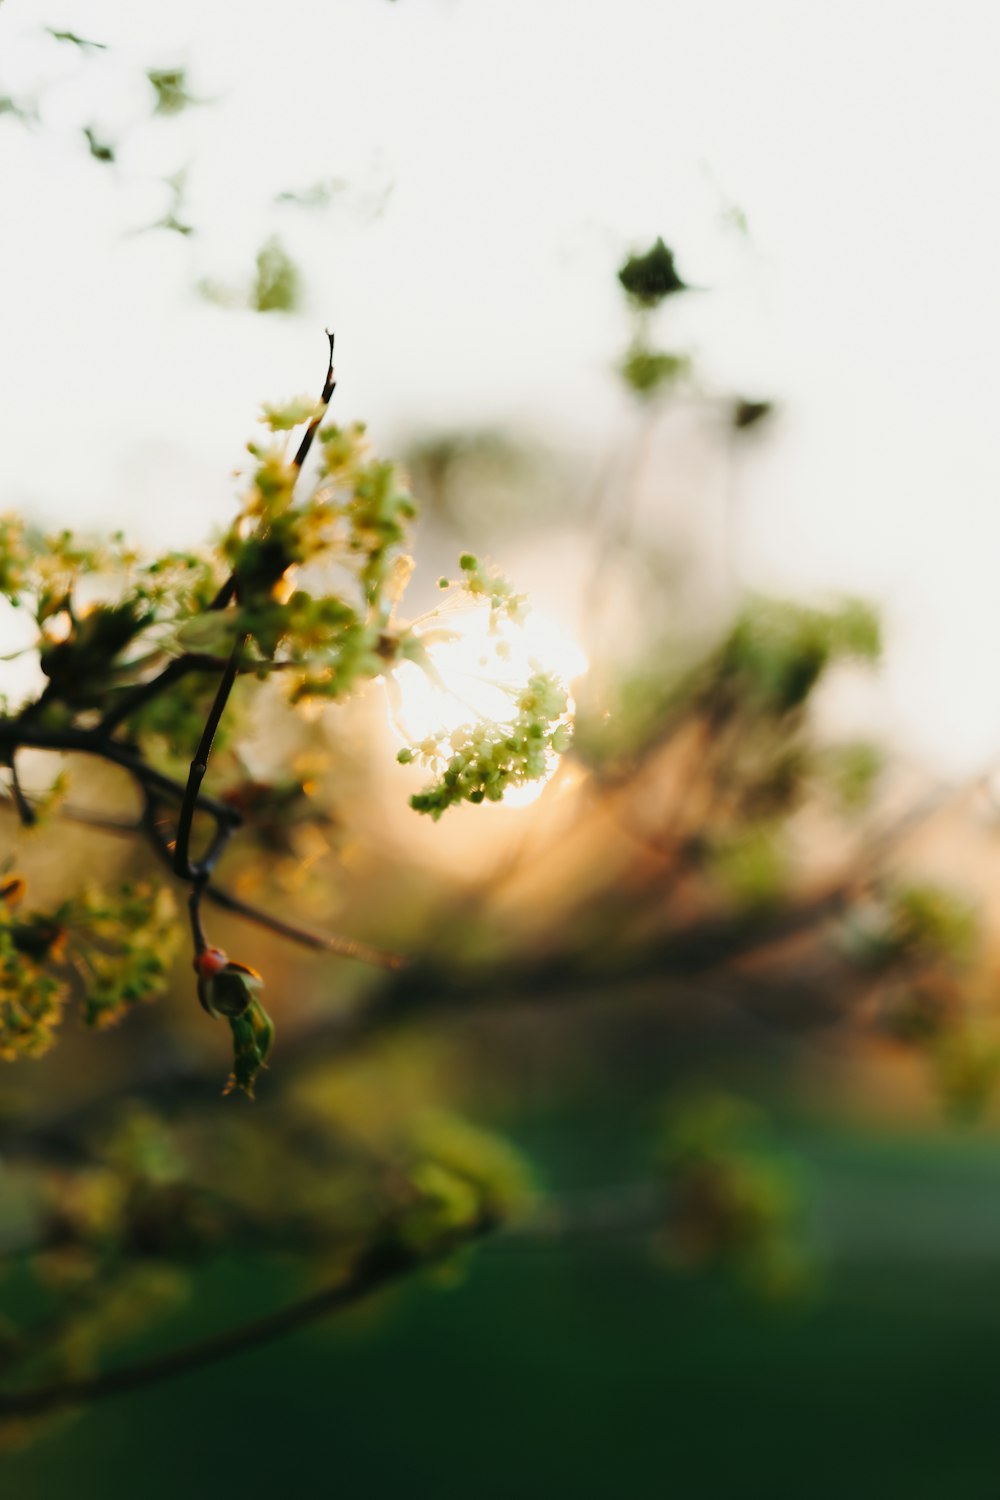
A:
[253,1034]
[230,992]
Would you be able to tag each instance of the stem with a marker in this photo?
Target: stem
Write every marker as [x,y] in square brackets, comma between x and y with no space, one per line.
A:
[194,910]
[196,775]
[329,386]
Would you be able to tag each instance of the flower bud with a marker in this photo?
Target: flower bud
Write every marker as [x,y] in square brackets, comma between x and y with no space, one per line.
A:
[226,989]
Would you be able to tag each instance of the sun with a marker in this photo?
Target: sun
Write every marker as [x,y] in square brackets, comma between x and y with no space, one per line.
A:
[473,667]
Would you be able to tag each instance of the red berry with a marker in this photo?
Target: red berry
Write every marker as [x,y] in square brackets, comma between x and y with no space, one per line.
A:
[211,962]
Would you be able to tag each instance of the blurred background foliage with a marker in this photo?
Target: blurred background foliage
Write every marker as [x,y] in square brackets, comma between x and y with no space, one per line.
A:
[680,1122]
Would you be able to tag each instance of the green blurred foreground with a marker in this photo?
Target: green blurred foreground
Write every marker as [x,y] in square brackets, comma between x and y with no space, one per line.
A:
[580,1369]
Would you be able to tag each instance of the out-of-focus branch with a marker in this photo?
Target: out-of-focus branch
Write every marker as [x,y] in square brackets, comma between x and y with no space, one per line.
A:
[335,943]
[681,965]
[375,1270]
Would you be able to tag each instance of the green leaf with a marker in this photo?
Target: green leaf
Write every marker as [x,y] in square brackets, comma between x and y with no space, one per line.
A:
[278,285]
[253,1034]
[651,277]
[170,87]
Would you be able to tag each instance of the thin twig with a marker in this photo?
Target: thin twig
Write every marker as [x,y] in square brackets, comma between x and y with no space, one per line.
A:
[182,863]
[329,386]
[320,942]
[227,592]
[194,911]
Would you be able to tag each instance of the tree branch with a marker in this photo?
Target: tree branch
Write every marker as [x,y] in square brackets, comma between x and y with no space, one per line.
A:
[320,942]
[376,1270]
[16,734]
[182,863]
[198,937]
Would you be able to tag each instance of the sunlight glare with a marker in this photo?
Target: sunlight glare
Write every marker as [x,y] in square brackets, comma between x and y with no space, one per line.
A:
[476,670]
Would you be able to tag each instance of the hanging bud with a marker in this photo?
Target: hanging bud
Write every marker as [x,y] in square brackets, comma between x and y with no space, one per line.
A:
[225,988]
[253,1033]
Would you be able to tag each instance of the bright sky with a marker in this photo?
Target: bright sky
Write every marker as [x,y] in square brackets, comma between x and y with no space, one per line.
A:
[517,151]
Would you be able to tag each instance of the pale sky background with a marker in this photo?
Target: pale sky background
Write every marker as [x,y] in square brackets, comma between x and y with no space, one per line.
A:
[501,159]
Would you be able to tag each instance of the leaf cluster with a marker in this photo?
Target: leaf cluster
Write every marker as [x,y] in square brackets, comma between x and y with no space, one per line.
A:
[111,950]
